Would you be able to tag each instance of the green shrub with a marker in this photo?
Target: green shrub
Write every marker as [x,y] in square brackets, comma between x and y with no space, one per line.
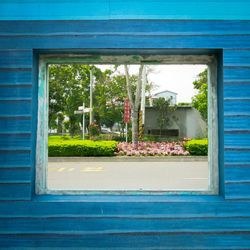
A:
[197,147]
[94,129]
[81,148]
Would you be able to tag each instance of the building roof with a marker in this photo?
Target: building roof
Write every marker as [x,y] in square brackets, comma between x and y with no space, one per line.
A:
[165,91]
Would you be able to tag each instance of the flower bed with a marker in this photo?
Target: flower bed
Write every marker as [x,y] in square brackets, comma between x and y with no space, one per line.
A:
[151,149]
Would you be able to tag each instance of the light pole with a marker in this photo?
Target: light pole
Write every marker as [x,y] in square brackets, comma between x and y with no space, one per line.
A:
[91,97]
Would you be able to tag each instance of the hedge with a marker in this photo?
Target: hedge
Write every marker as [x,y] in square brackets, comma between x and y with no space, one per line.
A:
[81,148]
[197,147]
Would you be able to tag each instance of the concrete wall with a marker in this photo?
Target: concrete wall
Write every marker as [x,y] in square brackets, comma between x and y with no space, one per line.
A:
[186,119]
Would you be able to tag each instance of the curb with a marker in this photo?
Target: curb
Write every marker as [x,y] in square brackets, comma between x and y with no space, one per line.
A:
[130,159]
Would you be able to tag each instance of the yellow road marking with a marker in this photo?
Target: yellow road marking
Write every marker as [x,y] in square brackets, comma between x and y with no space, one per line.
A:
[52,169]
[71,169]
[60,169]
[92,169]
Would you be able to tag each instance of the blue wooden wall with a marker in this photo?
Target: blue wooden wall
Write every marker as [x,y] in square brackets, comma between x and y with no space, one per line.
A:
[122,222]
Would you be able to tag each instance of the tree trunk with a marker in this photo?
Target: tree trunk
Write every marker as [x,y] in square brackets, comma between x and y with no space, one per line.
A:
[134,104]
[135,126]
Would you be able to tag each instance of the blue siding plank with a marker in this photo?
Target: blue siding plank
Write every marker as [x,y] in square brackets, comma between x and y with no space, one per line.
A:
[15,174]
[237,173]
[231,140]
[15,78]
[15,92]
[15,141]
[236,58]
[13,59]
[236,123]
[132,241]
[15,125]
[90,226]
[237,75]
[14,159]
[76,222]
[237,190]
[123,27]
[22,108]
[118,9]
[237,107]
[147,209]
[15,191]
[132,41]
[236,157]
[237,91]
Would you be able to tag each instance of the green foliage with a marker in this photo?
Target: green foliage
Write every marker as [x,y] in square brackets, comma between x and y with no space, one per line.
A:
[199,101]
[197,147]
[184,104]
[94,129]
[58,146]
[164,110]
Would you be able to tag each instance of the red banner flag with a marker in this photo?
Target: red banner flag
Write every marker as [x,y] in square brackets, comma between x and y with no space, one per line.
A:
[126,112]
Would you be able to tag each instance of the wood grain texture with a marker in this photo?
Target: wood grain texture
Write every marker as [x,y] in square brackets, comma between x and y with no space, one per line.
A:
[15,125]
[237,173]
[15,190]
[126,41]
[236,123]
[237,190]
[237,91]
[236,58]
[118,9]
[122,222]
[15,59]
[131,241]
[15,174]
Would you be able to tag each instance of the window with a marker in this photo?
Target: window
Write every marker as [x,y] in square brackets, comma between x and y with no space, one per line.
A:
[42,185]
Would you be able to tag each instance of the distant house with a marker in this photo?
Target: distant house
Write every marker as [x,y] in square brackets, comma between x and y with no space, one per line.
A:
[166,94]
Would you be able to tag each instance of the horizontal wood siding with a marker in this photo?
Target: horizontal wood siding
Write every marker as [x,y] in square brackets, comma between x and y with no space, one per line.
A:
[118,9]
[237,108]
[122,222]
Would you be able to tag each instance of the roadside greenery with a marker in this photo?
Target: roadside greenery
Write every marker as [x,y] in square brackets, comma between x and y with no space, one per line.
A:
[63,146]
[67,146]
[197,147]
[199,101]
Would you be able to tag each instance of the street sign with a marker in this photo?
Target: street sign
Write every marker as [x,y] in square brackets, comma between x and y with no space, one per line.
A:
[86,110]
[126,112]
[78,112]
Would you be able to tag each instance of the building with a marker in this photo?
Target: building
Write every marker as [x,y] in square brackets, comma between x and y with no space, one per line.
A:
[166,94]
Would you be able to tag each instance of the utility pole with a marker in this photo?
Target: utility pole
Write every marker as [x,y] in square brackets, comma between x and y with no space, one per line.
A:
[81,111]
[143,90]
[83,121]
[91,97]
[142,110]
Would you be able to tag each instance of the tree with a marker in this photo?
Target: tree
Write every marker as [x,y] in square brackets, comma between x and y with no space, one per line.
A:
[110,92]
[68,89]
[164,111]
[134,101]
[199,101]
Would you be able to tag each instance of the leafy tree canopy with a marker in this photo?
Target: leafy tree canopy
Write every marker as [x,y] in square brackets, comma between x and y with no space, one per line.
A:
[199,101]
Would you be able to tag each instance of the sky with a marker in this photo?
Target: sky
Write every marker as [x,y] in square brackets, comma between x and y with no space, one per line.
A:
[175,78]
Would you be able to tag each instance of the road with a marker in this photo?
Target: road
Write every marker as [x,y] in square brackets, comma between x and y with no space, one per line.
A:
[128,175]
